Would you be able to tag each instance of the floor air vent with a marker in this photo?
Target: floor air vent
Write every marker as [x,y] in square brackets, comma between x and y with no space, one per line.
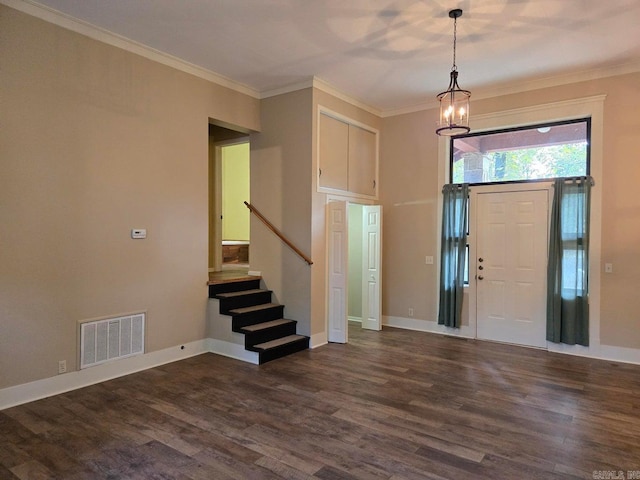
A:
[111,338]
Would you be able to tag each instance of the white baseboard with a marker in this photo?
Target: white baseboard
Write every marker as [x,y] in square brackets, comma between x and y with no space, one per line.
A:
[231,350]
[599,352]
[28,392]
[318,340]
[427,326]
[355,319]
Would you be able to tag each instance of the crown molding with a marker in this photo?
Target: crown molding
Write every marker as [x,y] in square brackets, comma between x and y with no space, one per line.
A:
[331,90]
[326,87]
[529,85]
[102,35]
[68,22]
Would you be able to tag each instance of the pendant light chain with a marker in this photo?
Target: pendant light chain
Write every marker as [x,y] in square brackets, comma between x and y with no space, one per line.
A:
[455,28]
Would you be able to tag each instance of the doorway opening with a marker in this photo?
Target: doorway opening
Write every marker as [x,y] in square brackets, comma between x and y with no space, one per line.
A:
[229,188]
[354,267]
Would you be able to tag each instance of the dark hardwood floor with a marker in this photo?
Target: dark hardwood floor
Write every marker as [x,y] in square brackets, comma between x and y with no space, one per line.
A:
[389,405]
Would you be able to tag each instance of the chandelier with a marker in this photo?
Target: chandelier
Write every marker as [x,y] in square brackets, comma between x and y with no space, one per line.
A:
[454,102]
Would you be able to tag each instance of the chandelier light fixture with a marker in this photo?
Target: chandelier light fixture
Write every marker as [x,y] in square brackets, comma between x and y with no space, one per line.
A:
[454,102]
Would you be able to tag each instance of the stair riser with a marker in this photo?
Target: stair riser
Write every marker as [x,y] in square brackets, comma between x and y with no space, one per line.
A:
[249,300]
[251,318]
[283,351]
[251,339]
[233,287]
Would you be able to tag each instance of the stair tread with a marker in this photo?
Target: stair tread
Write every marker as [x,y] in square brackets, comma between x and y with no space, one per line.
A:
[264,325]
[254,308]
[240,293]
[278,342]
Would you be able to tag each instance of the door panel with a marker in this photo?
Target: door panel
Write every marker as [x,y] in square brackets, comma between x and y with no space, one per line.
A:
[337,265]
[371,274]
[511,267]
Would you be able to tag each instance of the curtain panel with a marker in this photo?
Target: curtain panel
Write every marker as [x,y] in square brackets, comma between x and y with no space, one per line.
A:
[568,266]
[452,254]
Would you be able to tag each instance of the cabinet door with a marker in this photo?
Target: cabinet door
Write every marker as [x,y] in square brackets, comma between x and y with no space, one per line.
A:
[362,161]
[334,148]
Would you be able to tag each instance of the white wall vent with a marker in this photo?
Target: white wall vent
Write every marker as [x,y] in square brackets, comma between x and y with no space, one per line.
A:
[111,338]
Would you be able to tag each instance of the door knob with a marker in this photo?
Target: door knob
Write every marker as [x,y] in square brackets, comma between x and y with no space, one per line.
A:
[480,277]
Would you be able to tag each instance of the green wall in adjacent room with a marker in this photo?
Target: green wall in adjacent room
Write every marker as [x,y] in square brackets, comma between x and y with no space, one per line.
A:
[235,191]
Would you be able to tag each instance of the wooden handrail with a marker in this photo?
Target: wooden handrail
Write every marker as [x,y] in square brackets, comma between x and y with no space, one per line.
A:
[278,233]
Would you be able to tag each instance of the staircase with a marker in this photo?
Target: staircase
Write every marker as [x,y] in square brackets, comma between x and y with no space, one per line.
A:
[252,314]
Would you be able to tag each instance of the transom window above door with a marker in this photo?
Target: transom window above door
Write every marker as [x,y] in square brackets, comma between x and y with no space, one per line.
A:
[522,154]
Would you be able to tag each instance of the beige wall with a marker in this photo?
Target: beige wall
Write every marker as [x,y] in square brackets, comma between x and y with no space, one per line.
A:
[96,141]
[410,191]
[281,191]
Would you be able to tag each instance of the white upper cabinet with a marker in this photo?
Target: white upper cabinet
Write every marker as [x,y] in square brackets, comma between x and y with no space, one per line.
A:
[348,157]
[334,153]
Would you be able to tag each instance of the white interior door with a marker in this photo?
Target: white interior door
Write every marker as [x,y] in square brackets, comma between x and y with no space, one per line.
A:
[371,267]
[337,252]
[511,267]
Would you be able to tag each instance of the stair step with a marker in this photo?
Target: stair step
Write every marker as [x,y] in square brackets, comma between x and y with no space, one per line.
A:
[233,285]
[280,347]
[241,299]
[254,308]
[278,342]
[267,331]
[266,325]
[241,317]
[240,293]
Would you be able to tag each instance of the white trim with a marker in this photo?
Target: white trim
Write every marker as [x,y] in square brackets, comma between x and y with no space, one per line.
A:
[87,29]
[293,87]
[28,392]
[429,326]
[318,340]
[331,90]
[354,319]
[599,352]
[576,108]
[231,350]
[603,352]
[526,86]
[322,85]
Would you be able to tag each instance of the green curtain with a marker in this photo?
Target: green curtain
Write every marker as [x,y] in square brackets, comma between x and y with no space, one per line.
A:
[568,266]
[452,254]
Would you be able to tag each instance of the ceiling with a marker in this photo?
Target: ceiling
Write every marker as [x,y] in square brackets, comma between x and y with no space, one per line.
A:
[388,54]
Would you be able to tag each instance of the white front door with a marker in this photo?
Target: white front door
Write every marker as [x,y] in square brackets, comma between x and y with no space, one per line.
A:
[371,268]
[337,243]
[511,267]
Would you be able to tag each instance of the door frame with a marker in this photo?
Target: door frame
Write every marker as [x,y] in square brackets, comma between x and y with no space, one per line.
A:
[474,191]
[215,198]
[539,113]
[328,305]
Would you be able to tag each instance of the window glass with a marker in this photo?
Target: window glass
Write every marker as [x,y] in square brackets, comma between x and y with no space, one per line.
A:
[522,154]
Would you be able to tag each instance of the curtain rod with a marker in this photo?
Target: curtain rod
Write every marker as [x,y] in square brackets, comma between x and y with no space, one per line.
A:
[585,178]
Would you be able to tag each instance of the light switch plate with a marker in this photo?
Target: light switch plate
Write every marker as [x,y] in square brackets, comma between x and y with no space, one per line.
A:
[139,233]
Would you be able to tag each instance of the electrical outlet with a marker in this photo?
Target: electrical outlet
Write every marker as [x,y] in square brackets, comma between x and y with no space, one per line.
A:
[411,312]
[428,260]
[62,366]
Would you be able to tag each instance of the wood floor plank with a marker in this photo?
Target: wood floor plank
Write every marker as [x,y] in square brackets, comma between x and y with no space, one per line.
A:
[388,405]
